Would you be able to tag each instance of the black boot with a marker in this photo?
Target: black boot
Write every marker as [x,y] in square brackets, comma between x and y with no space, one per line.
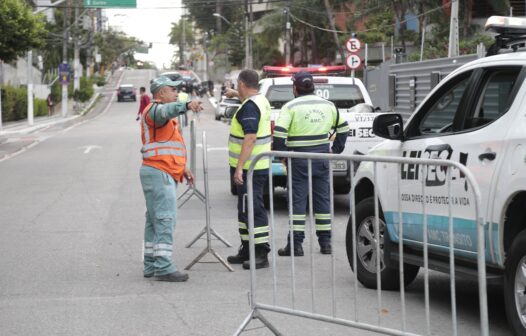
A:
[326,248]
[241,256]
[285,252]
[261,260]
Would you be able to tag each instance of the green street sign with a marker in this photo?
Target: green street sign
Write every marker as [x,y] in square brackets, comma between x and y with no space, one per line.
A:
[110,3]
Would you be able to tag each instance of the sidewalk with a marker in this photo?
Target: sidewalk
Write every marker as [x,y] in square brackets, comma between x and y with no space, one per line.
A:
[21,127]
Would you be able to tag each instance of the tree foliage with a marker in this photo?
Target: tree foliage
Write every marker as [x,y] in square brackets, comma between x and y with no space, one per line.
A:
[180,34]
[20,29]
[113,44]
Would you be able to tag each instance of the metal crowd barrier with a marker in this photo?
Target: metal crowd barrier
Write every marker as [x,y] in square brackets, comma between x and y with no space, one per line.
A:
[192,189]
[207,230]
[259,305]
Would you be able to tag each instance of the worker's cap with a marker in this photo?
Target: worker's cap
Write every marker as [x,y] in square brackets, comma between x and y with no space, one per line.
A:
[157,83]
[303,79]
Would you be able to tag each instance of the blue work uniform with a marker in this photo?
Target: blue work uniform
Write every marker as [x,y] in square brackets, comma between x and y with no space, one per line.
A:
[304,125]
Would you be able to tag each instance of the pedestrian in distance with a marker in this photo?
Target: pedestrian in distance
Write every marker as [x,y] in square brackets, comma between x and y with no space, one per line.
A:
[163,167]
[304,125]
[50,105]
[143,102]
[250,134]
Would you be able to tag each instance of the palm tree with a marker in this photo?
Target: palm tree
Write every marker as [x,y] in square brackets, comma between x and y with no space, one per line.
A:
[182,33]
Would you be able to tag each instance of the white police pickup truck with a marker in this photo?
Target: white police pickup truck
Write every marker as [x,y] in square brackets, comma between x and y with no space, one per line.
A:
[477,117]
[350,97]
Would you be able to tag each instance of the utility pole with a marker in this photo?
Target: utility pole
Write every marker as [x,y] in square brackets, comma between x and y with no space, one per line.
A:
[218,18]
[453,50]
[287,36]
[183,46]
[65,61]
[76,61]
[30,87]
[248,60]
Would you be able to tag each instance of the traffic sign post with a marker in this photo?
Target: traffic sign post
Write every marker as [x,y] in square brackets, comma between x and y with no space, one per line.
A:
[64,73]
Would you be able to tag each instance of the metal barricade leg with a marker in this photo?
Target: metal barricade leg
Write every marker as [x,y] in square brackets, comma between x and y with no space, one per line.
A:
[207,229]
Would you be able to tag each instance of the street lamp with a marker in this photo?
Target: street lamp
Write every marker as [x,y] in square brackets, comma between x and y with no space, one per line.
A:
[222,17]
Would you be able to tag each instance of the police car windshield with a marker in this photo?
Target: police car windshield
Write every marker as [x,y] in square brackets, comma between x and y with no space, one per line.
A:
[342,95]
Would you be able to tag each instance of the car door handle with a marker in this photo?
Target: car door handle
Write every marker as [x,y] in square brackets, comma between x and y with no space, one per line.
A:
[488,156]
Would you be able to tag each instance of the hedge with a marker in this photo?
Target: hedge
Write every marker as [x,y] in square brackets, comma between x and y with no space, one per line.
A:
[14,104]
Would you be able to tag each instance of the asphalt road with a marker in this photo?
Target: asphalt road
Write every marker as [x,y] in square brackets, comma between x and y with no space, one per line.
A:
[72,216]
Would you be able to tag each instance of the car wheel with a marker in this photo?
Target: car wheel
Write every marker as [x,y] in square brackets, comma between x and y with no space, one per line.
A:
[515,284]
[233,188]
[366,250]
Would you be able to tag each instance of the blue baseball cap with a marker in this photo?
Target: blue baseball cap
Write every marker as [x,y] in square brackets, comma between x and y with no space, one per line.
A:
[303,79]
[157,83]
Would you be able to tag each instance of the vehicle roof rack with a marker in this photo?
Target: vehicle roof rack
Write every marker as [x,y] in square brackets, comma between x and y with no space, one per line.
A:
[511,33]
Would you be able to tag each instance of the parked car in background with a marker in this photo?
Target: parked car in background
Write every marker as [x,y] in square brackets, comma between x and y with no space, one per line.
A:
[126,92]
[226,108]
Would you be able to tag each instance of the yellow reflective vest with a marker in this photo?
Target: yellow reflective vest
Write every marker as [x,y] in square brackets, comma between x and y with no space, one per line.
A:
[263,135]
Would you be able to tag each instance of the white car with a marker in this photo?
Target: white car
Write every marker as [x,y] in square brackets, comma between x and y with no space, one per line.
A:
[475,116]
[226,108]
[353,102]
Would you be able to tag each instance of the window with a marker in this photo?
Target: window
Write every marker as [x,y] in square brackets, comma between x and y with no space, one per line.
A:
[441,114]
[342,95]
[494,97]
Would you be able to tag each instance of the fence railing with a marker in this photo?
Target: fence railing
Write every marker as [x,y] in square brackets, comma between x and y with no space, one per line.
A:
[258,304]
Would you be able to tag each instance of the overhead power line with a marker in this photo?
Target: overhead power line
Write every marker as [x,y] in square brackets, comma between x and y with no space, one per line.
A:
[372,29]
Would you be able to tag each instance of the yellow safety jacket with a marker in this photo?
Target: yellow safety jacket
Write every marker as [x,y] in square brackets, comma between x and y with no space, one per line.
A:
[263,135]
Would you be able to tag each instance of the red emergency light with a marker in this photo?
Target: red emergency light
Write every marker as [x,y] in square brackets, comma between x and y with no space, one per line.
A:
[277,71]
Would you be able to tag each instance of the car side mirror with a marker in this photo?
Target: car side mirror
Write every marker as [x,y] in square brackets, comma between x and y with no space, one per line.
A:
[389,126]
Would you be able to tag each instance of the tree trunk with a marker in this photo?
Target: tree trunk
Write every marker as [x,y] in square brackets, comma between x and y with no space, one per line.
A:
[468,12]
[333,27]
[315,57]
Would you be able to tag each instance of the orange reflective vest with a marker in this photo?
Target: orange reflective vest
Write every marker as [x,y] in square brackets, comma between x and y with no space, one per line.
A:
[163,146]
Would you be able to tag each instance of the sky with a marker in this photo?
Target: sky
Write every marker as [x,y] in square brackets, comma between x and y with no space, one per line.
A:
[151,22]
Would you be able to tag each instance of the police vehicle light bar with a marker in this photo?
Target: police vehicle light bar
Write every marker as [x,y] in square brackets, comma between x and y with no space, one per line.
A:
[511,33]
[506,25]
[277,71]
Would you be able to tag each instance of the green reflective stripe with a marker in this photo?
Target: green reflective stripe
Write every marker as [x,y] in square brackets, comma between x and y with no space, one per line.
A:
[163,152]
[323,227]
[342,129]
[309,102]
[307,143]
[242,225]
[236,155]
[262,229]
[154,145]
[244,237]
[298,227]
[322,216]
[259,141]
[261,240]
[300,217]
[280,134]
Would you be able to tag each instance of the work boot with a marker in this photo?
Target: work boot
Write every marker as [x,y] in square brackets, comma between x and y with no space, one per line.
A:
[173,277]
[326,249]
[241,256]
[261,258]
[285,252]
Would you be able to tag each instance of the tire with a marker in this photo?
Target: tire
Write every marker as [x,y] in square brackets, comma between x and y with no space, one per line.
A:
[233,188]
[366,258]
[515,284]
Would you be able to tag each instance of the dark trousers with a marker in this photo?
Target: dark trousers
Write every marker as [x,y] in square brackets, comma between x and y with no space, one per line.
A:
[261,229]
[320,199]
